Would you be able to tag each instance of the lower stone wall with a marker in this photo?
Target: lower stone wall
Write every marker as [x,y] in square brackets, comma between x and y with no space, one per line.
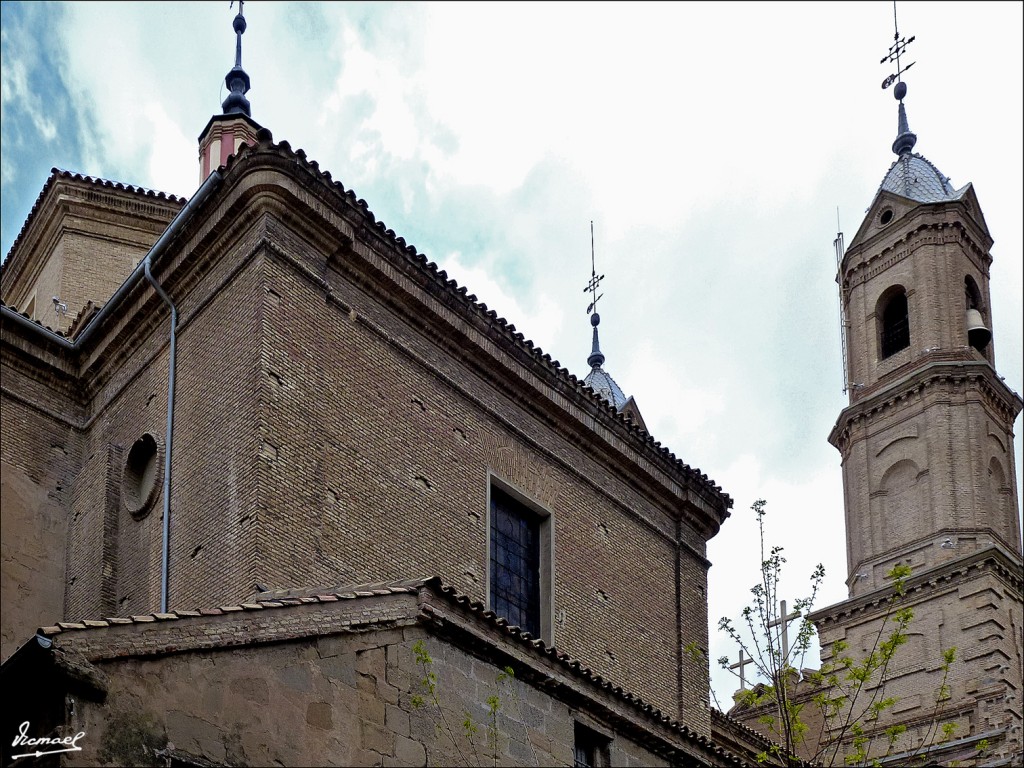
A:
[350,699]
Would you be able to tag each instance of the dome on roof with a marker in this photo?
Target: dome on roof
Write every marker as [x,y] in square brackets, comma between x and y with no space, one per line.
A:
[915,178]
[599,381]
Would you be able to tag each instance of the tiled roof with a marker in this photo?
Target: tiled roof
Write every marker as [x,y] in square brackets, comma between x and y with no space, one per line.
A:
[470,301]
[27,317]
[290,598]
[914,177]
[280,599]
[460,293]
[83,317]
[59,173]
[728,722]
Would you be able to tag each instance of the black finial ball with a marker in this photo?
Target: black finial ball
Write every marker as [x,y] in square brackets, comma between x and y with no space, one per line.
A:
[900,91]
[239,24]
[595,319]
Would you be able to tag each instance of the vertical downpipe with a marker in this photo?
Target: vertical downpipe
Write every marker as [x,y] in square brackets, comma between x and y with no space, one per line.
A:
[169,440]
[680,657]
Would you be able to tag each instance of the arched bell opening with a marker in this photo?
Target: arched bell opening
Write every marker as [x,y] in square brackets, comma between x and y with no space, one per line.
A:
[978,334]
[894,314]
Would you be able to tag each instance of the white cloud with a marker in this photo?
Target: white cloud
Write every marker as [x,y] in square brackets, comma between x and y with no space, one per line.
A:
[710,143]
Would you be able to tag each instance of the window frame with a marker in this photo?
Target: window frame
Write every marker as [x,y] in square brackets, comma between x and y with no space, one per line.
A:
[593,743]
[545,552]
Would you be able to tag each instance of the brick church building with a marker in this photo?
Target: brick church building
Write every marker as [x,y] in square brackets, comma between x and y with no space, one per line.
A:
[268,473]
[277,490]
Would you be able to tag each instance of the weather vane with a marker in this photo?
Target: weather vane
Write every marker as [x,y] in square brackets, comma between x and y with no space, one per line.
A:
[897,49]
[595,279]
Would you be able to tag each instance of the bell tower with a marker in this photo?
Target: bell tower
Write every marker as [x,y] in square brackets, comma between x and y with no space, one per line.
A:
[927,455]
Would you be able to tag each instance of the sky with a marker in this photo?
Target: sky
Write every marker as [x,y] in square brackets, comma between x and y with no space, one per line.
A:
[717,148]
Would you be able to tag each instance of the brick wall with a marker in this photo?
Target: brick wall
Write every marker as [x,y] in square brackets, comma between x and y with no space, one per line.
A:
[338,418]
[41,453]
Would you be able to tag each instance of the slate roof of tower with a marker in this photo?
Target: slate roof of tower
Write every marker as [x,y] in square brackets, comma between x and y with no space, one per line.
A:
[603,384]
[916,178]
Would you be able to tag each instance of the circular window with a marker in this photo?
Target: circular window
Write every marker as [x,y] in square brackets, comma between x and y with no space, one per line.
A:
[138,483]
[886,217]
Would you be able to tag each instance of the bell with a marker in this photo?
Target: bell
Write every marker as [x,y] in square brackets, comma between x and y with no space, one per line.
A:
[977,334]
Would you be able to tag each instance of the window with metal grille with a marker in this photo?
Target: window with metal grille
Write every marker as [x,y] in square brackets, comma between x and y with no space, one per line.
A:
[895,325]
[515,562]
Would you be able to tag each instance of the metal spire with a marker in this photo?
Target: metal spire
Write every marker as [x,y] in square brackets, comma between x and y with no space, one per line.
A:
[905,139]
[237,80]
[596,359]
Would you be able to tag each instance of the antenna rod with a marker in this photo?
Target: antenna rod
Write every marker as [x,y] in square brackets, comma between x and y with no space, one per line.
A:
[840,247]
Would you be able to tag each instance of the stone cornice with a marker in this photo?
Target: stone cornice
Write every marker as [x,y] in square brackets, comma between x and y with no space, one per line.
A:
[88,199]
[1007,565]
[933,371]
[886,247]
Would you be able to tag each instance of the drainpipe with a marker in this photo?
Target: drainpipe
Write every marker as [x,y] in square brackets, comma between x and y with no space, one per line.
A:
[147,264]
[169,436]
[205,190]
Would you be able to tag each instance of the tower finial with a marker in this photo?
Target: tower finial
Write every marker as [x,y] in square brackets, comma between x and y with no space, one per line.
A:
[596,359]
[905,140]
[237,80]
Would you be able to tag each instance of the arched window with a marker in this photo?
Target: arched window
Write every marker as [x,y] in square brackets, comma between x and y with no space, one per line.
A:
[895,323]
[971,293]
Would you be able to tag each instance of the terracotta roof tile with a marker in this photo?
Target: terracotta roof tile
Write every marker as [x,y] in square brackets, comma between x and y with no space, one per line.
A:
[300,597]
[27,317]
[59,173]
[266,144]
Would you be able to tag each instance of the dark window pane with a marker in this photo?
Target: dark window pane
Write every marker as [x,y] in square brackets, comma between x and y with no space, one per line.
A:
[590,749]
[895,326]
[515,562]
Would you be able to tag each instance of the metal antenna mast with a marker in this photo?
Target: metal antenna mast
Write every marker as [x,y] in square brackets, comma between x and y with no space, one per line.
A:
[844,323]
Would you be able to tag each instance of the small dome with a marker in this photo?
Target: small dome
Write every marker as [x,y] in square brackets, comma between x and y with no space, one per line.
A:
[915,178]
[604,385]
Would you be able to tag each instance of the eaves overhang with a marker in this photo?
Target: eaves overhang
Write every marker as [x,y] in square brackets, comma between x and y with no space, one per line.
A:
[694,487]
[512,345]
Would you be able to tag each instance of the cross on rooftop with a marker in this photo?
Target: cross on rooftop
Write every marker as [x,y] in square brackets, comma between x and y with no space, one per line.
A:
[739,665]
[784,620]
[595,279]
